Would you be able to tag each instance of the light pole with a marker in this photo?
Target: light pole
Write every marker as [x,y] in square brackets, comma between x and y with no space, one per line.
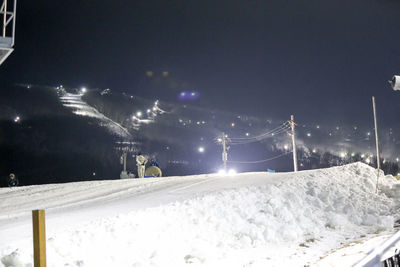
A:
[224,151]
[378,163]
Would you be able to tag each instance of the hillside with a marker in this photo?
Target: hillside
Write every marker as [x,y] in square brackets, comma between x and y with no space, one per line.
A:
[64,135]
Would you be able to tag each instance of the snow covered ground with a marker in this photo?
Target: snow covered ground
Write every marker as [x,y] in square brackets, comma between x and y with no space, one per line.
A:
[317,217]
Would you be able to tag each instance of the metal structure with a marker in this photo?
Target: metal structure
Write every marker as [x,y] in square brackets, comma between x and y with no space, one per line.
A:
[126,147]
[8,13]
[374,258]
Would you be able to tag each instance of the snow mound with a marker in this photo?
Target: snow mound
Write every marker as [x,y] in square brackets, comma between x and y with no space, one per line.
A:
[291,218]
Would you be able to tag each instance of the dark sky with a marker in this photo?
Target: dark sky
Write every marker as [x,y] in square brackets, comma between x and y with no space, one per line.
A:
[319,60]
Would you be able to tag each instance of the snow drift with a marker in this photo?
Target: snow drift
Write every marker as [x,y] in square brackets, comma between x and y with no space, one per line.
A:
[250,219]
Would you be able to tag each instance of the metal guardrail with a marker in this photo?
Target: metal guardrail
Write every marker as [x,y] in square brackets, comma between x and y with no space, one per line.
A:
[393,261]
[374,258]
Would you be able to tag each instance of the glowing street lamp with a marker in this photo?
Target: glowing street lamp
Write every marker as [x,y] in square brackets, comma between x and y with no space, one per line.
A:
[17,119]
[231,172]
[395,82]
[139,114]
[286,147]
[83,90]
[201,149]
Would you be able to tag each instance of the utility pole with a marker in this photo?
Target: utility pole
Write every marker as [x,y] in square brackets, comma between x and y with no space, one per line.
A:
[378,161]
[292,124]
[124,158]
[224,152]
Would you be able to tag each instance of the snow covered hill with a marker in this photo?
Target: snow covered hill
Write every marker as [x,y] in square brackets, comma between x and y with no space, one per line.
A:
[249,219]
[80,107]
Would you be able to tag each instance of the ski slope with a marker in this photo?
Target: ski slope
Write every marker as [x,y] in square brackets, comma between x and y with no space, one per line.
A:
[81,108]
[248,219]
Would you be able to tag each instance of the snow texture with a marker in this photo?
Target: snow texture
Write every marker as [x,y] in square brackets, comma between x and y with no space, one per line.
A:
[249,219]
[81,108]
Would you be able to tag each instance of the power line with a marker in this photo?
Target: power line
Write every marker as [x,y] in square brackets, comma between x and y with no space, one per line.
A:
[259,161]
[284,125]
[242,140]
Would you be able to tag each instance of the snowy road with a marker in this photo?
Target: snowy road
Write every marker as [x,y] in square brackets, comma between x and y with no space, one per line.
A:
[76,202]
[249,219]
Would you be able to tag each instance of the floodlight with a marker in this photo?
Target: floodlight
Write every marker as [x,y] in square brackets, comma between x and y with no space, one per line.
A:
[231,172]
[222,172]
[395,82]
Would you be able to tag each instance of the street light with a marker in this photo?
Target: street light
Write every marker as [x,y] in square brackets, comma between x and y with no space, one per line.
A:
[395,82]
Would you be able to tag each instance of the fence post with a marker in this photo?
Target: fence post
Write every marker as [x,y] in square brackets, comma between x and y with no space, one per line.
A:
[39,238]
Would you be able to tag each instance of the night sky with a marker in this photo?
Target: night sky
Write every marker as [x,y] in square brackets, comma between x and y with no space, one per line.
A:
[319,60]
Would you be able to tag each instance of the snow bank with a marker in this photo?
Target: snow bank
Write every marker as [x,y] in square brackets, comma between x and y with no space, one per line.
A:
[293,220]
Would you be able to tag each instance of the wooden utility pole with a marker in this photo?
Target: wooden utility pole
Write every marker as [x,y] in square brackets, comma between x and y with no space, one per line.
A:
[292,124]
[224,152]
[378,161]
[39,238]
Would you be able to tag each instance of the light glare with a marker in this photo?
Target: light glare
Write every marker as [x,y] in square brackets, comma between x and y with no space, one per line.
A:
[221,172]
[231,172]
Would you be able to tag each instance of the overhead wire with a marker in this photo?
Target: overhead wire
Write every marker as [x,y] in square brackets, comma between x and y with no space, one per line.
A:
[284,125]
[260,161]
[241,140]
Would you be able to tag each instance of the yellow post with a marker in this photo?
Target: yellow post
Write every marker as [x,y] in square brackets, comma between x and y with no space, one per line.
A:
[39,238]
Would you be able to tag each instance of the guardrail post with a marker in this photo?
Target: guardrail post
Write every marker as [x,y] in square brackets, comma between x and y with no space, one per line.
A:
[39,238]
